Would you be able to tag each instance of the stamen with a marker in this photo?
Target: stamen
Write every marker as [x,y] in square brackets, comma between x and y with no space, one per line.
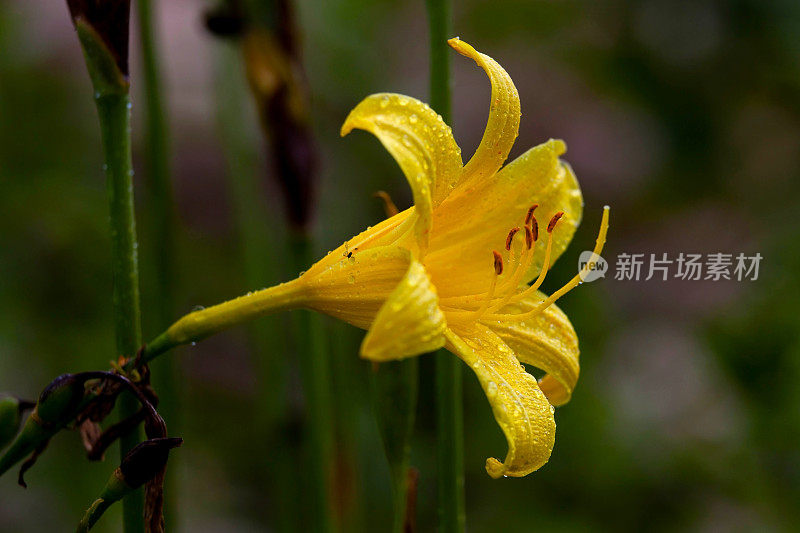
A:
[574,282]
[388,205]
[515,258]
[554,221]
[542,274]
[519,270]
[545,264]
[498,263]
[498,269]
[519,261]
[529,216]
[510,238]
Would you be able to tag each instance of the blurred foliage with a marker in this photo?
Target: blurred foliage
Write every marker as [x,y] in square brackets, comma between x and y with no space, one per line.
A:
[684,116]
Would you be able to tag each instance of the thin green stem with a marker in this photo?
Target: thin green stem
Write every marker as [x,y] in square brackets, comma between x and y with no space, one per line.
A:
[114,113]
[312,349]
[161,225]
[394,398]
[256,244]
[93,514]
[440,27]
[159,185]
[450,443]
[449,408]
[260,266]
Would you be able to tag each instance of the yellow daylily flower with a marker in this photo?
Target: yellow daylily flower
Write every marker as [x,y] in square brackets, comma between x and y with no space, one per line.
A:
[453,270]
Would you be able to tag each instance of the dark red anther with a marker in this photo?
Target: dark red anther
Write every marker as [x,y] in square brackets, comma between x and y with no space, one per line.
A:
[535,229]
[528,237]
[498,262]
[554,221]
[529,216]
[510,238]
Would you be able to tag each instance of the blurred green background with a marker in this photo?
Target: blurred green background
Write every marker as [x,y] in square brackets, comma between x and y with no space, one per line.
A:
[683,116]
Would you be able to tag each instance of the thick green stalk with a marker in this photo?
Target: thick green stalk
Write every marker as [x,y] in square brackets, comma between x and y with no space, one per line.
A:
[449,408]
[312,350]
[160,227]
[108,73]
[114,113]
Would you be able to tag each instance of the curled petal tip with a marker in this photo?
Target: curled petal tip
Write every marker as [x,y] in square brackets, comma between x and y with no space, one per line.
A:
[495,468]
[347,127]
[461,47]
[559,146]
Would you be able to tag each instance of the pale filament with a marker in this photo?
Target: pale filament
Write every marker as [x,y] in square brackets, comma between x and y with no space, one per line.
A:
[545,267]
[526,263]
[498,270]
[520,258]
[514,259]
[571,284]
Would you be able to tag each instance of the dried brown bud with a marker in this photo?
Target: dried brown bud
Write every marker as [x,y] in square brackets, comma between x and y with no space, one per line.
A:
[110,19]
[146,460]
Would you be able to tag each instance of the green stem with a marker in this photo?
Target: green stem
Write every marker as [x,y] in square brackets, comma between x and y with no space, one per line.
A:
[159,187]
[114,113]
[258,263]
[158,177]
[93,514]
[161,227]
[312,349]
[394,398]
[449,408]
[450,443]
[260,266]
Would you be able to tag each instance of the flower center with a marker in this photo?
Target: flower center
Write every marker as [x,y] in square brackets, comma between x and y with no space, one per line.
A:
[505,285]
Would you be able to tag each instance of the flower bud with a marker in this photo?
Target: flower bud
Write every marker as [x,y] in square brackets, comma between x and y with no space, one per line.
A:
[56,406]
[146,460]
[140,465]
[59,399]
[109,20]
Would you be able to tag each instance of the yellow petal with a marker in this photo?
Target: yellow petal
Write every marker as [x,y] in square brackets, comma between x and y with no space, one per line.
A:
[503,125]
[520,407]
[467,227]
[421,143]
[409,323]
[546,341]
[353,286]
